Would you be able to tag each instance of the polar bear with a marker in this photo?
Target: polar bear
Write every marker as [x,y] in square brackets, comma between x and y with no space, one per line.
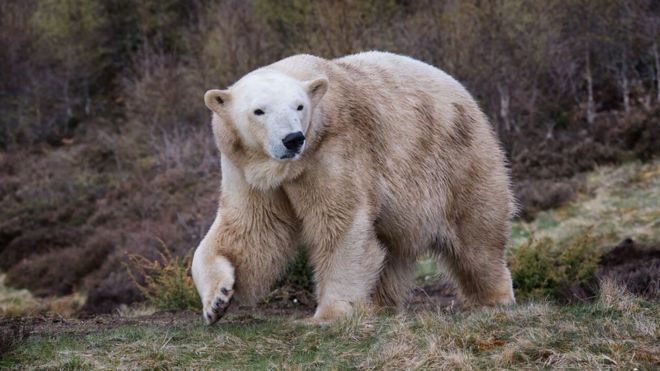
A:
[367,161]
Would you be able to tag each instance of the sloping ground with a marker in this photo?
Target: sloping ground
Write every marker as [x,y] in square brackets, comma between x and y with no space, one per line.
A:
[619,208]
[617,202]
[618,331]
[71,215]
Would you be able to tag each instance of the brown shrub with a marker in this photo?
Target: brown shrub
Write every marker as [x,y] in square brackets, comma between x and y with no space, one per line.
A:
[111,284]
[638,132]
[58,272]
[560,158]
[40,241]
[163,95]
[114,289]
[538,195]
[544,169]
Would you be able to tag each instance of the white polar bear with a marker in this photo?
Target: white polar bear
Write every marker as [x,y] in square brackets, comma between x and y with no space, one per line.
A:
[368,161]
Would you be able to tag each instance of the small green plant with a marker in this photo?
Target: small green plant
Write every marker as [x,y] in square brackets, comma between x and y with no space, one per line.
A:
[296,286]
[545,269]
[166,283]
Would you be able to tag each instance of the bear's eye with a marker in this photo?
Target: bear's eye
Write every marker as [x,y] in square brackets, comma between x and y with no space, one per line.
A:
[258,112]
[300,107]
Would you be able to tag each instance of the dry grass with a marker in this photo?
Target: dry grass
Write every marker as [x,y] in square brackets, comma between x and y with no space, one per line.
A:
[619,201]
[15,302]
[617,331]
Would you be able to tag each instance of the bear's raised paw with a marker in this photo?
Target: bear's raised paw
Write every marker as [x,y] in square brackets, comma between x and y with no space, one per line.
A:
[219,306]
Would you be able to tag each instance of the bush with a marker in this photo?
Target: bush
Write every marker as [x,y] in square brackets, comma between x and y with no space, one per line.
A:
[165,284]
[57,272]
[543,269]
[535,195]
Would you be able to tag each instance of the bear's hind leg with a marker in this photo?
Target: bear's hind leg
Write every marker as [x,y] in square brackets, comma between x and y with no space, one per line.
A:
[396,280]
[477,264]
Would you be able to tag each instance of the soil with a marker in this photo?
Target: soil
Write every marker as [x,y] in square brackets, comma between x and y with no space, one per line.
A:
[635,265]
[434,296]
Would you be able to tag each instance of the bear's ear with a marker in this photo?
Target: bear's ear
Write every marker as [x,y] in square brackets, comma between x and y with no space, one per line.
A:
[216,100]
[316,89]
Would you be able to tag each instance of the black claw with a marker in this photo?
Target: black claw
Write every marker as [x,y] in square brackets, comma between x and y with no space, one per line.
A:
[224,291]
[211,319]
[218,303]
[218,309]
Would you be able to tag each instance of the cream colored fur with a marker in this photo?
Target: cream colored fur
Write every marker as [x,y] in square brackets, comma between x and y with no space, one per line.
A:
[398,161]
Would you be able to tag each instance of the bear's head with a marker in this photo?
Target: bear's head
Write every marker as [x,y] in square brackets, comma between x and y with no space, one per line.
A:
[270,111]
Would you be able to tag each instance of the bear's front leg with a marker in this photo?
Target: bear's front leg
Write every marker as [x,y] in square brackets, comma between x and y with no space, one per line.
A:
[346,269]
[213,275]
[246,249]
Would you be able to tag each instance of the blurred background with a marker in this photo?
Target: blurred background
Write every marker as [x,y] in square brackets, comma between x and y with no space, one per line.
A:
[107,162]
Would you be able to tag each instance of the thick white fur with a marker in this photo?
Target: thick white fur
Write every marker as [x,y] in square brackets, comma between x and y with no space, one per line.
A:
[398,161]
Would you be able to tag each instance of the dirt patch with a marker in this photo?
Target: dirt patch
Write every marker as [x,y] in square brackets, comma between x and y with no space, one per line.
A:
[434,296]
[633,265]
[13,330]
[52,325]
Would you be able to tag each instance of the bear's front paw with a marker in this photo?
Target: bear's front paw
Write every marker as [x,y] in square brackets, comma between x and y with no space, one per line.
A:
[217,304]
[214,277]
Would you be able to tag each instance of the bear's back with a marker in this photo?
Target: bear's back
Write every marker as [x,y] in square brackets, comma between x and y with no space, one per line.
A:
[402,66]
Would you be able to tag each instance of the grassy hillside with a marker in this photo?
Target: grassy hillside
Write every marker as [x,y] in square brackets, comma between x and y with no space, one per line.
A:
[615,330]
[615,202]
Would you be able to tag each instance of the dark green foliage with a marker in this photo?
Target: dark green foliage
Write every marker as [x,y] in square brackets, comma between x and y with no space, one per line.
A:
[544,269]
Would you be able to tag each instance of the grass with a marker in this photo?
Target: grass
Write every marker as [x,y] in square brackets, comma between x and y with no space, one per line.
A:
[619,201]
[618,331]
[14,301]
[21,302]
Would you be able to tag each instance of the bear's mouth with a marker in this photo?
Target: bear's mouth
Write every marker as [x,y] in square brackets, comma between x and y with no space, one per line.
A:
[291,154]
[288,155]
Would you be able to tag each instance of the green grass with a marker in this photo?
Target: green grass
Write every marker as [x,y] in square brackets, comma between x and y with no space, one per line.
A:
[619,201]
[617,331]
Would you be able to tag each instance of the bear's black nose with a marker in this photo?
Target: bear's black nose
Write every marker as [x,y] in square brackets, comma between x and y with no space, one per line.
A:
[293,141]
